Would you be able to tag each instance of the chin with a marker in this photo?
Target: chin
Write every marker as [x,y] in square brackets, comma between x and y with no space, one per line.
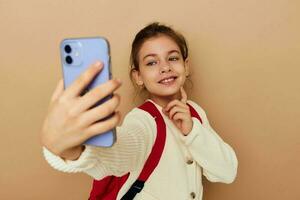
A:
[168,93]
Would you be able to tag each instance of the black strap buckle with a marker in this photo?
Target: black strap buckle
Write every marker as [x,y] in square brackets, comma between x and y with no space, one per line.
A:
[135,188]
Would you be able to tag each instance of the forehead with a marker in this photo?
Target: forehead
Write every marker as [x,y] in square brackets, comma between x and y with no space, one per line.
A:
[158,45]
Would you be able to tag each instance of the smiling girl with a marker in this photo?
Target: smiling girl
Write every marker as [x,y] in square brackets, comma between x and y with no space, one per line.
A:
[191,148]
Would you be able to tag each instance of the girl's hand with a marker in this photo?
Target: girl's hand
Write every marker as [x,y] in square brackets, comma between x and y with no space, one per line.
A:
[179,113]
[71,118]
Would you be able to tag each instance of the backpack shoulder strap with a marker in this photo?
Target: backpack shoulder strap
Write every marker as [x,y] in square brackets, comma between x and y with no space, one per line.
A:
[194,113]
[155,154]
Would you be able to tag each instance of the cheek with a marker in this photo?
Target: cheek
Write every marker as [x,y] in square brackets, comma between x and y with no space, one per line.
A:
[182,79]
[180,69]
[149,76]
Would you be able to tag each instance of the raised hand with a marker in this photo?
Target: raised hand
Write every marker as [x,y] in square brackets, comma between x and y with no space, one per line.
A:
[179,113]
[72,119]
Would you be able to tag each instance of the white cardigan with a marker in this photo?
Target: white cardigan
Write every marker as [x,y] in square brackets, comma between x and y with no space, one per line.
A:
[178,175]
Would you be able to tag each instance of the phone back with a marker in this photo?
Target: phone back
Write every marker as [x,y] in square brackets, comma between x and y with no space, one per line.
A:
[77,54]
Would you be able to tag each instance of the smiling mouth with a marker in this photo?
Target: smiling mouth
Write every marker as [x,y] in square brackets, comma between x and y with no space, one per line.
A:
[168,81]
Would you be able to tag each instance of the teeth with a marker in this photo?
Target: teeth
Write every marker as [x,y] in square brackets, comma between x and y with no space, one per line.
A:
[168,80]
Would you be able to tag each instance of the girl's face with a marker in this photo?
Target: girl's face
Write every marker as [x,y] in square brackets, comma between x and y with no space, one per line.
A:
[161,67]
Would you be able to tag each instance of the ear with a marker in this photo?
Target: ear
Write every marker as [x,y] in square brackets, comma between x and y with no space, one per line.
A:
[137,77]
[187,67]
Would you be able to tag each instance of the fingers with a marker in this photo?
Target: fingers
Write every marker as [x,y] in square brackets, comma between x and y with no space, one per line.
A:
[179,116]
[175,103]
[83,81]
[183,95]
[181,103]
[176,110]
[101,111]
[58,90]
[97,93]
[176,106]
[102,127]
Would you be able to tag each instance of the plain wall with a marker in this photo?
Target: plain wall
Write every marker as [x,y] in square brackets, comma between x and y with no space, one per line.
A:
[245,69]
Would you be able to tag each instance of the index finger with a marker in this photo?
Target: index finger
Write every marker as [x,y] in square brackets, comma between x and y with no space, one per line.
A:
[84,80]
[183,95]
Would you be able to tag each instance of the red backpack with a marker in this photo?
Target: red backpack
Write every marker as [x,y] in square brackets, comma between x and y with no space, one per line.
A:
[109,187]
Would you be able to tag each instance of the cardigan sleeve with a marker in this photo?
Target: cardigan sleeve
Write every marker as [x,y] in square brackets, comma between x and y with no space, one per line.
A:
[135,138]
[217,158]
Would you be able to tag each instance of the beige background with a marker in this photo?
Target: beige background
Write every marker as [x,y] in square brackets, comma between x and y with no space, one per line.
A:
[245,62]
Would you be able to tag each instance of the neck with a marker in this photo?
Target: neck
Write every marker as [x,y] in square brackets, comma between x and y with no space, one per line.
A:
[163,101]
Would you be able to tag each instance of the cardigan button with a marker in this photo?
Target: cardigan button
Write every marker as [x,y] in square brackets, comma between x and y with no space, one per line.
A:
[189,162]
[193,195]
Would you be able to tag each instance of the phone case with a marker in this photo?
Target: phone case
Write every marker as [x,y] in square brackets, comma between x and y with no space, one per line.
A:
[77,54]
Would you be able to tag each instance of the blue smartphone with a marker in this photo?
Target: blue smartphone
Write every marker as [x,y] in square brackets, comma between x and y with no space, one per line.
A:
[77,54]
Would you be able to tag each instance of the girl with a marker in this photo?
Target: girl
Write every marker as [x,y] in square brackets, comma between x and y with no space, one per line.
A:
[159,65]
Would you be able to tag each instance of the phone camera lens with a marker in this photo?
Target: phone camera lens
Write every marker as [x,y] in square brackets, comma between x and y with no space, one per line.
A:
[69,59]
[68,49]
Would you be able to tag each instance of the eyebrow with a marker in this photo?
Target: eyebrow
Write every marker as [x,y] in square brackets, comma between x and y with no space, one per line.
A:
[153,54]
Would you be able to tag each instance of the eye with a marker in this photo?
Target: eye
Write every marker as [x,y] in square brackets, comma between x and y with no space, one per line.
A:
[151,63]
[173,58]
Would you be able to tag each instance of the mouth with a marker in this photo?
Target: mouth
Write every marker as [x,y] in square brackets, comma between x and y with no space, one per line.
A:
[168,80]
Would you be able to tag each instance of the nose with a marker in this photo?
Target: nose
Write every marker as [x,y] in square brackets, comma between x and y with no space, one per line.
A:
[165,67]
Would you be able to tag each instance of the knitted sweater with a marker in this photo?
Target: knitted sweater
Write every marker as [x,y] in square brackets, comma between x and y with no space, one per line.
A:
[178,175]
